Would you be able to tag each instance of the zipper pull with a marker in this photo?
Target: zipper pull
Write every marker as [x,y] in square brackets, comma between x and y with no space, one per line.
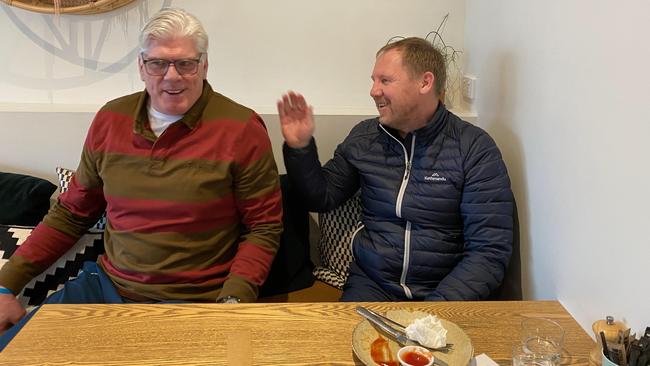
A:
[408,171]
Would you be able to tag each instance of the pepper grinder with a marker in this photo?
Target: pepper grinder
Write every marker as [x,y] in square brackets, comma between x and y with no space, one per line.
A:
[610,328]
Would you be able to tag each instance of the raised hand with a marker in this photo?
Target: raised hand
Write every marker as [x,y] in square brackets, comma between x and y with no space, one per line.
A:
[296,120]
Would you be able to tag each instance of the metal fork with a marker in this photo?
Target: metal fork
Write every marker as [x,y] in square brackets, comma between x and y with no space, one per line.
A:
[444,349]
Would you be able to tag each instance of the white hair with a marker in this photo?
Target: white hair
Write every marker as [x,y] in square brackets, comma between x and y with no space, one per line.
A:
[174,22]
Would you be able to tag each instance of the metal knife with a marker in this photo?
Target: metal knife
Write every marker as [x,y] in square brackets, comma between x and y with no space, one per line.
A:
[399,336]
[374,319]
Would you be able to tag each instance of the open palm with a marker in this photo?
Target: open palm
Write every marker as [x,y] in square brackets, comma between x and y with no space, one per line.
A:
[296,120]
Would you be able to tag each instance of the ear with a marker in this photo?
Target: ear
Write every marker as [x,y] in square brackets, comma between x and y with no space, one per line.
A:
[427,82]
[205,67]
[141,68]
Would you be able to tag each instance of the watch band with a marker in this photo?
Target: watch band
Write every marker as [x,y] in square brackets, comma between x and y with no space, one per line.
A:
[229,300]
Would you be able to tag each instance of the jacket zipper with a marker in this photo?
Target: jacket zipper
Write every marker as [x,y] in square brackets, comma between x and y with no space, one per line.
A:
[407,259]
[359,227]
[408,161]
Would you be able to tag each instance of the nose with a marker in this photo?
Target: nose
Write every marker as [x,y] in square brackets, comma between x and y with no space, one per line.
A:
[375,89]
[171,72]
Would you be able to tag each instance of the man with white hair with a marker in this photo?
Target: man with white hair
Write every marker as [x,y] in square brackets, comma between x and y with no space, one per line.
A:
[188,182]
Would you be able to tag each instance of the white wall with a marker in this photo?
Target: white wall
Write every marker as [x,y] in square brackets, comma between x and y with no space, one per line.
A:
[58,70]
[259,49]
[564,89]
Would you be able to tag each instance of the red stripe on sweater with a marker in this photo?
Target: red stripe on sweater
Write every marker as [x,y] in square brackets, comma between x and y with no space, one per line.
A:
[142,215]
[249,154]
[178,141]
[252,262]
[120,129]
[44,246]
[81,200]
[214,275]
[263,209]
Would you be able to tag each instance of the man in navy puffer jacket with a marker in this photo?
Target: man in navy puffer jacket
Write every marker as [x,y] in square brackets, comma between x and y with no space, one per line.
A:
[437,206]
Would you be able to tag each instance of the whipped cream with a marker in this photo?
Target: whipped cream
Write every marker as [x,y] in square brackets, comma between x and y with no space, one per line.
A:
[428,331]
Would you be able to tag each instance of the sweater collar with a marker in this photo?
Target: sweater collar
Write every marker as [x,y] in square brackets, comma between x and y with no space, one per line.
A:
[191,119]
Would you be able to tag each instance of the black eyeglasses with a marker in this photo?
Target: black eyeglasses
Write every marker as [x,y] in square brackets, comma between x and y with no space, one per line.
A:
[159,67]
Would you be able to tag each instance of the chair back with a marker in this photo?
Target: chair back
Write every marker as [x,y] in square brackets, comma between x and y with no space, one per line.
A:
[335,245]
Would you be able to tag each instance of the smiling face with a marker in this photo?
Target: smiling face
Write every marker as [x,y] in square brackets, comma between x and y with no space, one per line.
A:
[173,93]
[399,95]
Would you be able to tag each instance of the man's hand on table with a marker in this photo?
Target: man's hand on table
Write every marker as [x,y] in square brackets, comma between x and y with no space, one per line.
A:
[10,311]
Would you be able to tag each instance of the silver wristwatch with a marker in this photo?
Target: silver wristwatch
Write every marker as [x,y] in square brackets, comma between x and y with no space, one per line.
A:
[229,300]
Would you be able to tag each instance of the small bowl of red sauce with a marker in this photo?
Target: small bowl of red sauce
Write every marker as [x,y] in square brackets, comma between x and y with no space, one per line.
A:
[414,356]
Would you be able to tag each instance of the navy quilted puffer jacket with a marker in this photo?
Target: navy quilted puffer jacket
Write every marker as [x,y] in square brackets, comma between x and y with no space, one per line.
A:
[437,205]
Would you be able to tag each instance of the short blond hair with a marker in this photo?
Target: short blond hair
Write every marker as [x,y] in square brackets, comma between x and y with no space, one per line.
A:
[420,56]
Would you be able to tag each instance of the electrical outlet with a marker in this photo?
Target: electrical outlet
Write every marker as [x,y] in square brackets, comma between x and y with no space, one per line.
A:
[469,86]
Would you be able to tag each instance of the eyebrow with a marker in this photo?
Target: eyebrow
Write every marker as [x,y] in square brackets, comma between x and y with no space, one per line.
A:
[197,57]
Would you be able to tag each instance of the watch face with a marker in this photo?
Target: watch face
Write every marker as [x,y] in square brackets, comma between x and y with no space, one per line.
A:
[229,300]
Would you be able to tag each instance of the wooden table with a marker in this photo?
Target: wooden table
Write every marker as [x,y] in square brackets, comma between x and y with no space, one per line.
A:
[256,334]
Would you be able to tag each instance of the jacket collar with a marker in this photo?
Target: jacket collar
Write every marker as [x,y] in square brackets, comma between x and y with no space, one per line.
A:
[430,130]
[435,124]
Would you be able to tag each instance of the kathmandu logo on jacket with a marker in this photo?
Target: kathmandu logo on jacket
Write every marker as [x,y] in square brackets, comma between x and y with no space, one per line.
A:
[435,177]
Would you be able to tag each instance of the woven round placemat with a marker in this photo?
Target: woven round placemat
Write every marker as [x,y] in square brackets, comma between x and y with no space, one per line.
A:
[80,7]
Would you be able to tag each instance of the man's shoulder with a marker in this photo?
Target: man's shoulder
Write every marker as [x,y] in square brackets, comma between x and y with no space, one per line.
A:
[125,104]
[463,131]
[221,107]
[365,128]
[469,139]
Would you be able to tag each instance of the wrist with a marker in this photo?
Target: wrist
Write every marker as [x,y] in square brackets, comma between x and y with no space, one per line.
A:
[229,300]
[297,144]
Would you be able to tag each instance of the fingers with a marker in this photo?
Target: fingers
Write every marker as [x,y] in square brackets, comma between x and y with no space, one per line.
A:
[292,103]
[10,321]
[4,326]
[281,111]
[297,101]
[10,312]
[284,106]
[15,318]
[288,107]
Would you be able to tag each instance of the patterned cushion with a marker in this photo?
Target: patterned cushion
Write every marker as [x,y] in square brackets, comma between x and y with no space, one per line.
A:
[65,175]
[338,227]
[88,248]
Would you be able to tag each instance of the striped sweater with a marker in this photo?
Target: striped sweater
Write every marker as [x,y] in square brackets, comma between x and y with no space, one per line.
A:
[193,215]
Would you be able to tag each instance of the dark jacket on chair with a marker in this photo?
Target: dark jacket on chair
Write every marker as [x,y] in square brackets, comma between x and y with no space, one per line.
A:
[437,206]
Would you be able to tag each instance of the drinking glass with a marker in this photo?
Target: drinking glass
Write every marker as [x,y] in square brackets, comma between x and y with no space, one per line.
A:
[521,356]
[543,337]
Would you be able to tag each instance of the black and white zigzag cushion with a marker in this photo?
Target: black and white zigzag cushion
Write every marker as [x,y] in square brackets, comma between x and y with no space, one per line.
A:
[64,176]
[338,227]
[88,248]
